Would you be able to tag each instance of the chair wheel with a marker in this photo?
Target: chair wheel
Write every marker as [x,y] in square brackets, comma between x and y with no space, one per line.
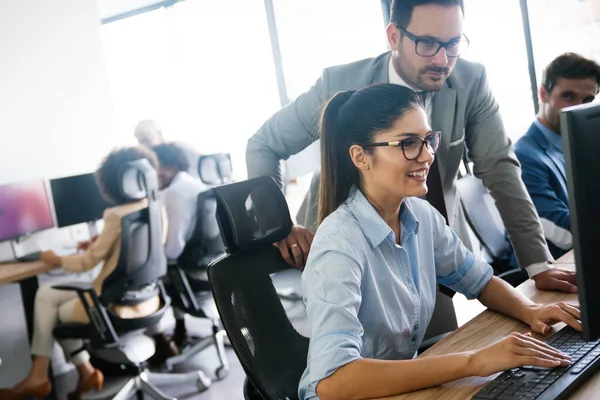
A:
[221,373]
[203,382]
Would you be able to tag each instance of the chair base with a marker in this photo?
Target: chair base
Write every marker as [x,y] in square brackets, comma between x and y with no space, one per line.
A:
[216,339]
[145,383]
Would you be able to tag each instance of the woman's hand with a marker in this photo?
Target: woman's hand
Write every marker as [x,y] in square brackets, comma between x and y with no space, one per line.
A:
[541,318]
[83,246]
[50,257]
[514,351]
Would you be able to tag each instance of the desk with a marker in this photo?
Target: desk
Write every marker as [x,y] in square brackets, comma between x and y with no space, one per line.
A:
[26,274]
[485,329]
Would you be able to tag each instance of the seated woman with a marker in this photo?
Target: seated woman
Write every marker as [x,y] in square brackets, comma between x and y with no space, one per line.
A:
[371,274]
[55,306]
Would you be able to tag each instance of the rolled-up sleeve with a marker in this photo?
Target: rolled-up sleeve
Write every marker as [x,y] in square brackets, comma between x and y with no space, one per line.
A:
[456,266]
[332,290]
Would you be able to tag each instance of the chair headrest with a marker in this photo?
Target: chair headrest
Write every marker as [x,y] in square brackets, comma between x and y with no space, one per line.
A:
[138,180]
[252,213]
[215,169]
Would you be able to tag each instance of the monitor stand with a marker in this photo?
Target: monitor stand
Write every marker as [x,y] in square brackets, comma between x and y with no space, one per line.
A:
[17,247]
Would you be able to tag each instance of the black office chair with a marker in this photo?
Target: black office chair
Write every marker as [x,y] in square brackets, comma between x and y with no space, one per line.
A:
[252,216]
[485,221]
[189,288]
[135,279]
[215,169]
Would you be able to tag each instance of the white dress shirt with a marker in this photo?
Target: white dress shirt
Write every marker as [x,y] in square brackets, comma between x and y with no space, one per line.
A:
[179,200]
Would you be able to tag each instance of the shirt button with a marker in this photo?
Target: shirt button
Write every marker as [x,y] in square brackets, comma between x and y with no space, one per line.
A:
[414,338]
[416,327]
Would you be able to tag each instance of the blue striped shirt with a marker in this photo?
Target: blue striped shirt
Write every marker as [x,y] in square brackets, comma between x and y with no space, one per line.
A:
[366,296]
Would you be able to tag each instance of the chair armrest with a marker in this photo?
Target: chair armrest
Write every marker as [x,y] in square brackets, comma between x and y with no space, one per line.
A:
[77,286]
[103,332]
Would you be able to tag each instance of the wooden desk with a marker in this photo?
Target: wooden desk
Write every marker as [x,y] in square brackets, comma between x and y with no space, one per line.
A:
[15,272]
[485,329]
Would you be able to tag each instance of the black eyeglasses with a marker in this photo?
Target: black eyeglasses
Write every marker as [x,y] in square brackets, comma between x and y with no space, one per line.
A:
[429,47]
[413,147]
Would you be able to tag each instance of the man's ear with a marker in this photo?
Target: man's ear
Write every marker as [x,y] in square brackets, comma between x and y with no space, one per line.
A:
[393,36]
[544,94]
[359,157]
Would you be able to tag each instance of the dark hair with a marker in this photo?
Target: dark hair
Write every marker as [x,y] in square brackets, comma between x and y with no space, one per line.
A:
[569,66]
[355,118]
[108,174]
[401,10]
[171,155]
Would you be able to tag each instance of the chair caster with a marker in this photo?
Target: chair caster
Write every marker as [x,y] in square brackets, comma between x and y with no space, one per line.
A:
[203,382]
[221,373]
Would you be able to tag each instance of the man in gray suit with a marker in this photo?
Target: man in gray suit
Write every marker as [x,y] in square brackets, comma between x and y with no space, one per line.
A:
[426,38]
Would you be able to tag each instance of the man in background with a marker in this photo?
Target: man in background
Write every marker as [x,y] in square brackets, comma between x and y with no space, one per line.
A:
[148,134]
[568,80]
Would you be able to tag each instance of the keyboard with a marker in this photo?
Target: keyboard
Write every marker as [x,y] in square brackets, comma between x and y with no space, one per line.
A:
[529,382]
[30,257]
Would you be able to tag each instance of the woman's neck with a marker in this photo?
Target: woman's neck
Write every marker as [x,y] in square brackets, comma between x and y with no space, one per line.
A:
[387,207]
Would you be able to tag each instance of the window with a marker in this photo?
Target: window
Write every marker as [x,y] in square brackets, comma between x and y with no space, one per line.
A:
[203,70]
[560,26]
[497,41]
[316,34]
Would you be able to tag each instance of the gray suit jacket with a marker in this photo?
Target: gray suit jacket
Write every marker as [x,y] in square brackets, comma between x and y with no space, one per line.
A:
[466,113]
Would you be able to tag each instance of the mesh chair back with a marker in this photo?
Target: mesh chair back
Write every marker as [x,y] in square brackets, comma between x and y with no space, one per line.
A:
[272,353]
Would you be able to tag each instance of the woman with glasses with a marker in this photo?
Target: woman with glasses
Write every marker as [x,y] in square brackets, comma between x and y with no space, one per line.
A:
[371,274]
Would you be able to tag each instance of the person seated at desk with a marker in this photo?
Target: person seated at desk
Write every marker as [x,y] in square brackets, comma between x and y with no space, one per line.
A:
[371,274]
[180,193]
[568,80]
[54,306]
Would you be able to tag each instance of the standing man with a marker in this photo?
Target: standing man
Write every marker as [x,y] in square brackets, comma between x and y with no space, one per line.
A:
[426,40]
[568,80]
[148,134]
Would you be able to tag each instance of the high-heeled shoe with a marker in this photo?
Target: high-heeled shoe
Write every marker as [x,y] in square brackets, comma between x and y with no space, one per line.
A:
[40,392]
[95,380]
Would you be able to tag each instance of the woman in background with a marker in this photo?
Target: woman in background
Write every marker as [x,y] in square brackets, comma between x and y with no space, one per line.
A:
[371,274]
[54,306]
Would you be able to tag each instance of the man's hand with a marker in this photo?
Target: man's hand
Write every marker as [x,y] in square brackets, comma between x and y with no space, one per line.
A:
[294,248]
[83,246]
[556,279]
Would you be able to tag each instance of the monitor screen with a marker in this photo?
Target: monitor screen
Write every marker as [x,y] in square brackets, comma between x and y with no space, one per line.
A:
[580,129]
[24,209]
[77,200]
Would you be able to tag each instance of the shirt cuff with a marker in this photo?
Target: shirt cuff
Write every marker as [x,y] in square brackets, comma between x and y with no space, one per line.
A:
[534,269]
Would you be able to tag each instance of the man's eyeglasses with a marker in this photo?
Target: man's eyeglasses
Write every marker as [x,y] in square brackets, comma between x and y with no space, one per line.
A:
[429,47]
[413,147]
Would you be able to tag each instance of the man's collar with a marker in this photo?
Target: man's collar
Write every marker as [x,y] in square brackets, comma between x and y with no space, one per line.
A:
[552,137]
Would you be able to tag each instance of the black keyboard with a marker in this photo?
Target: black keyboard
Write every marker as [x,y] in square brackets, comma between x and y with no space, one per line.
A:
[30,257]
[548,383]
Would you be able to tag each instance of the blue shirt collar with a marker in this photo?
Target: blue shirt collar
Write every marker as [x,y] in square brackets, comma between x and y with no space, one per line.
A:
[371,223]
[552,137]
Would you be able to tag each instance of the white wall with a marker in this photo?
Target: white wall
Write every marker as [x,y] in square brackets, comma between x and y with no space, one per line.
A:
[56,116]
[55,110]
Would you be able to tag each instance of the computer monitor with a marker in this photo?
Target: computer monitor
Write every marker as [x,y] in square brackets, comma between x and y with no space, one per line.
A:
[24,209]
[580,128]
[77,200]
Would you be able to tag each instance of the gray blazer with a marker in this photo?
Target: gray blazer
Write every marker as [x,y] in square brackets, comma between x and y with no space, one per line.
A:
[466,113]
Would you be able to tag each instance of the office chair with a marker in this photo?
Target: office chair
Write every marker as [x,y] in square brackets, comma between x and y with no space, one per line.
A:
[136,278]
[484,218]
[215,169]
[189,288]
[252,215]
